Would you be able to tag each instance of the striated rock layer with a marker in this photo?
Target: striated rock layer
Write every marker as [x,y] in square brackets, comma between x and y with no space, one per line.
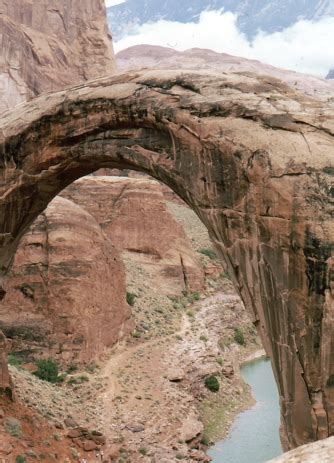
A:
[133,214]
[252,157]
[47,45]
[66,297]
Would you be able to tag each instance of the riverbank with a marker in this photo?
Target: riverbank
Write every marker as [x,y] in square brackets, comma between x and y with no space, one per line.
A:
[254,435]
[156,404]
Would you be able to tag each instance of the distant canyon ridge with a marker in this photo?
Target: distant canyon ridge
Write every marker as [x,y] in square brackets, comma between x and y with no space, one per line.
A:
[274,16]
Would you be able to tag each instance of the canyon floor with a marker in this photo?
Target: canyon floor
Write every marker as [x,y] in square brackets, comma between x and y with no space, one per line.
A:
[147,396]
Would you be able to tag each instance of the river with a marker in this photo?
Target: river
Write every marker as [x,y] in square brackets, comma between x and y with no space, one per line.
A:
[254,436]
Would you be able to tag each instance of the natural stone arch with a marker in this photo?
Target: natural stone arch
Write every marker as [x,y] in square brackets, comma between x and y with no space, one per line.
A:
[251,157]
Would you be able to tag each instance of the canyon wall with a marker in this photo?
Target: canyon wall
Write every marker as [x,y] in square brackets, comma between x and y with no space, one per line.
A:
[48,45]
[66,294]
[133,214]
[252,157]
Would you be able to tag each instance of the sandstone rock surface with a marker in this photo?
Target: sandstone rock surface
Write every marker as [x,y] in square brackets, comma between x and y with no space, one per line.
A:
[152,56]
[67,288]
[133,214]
[6,384]
[322,451]
[48,45]
[251,156]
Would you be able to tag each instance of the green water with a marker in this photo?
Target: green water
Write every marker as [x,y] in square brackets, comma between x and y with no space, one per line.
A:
[254,436]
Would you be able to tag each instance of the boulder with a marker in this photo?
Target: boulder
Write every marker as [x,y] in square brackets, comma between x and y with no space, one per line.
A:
[190,429]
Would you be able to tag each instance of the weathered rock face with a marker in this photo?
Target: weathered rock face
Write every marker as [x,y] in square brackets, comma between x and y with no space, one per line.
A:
[67,288]
[152,56]
[133,214]
[322,451]
[6,385]
[253,158]
[47,45]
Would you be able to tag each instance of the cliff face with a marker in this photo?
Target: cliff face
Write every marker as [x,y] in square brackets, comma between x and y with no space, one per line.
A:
[133,214]
[48,45]
[66,297]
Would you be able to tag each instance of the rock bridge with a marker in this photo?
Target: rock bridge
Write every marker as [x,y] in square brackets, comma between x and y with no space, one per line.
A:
[253,159]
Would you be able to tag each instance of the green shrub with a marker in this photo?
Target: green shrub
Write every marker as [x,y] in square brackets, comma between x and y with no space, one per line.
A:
[47,370]
[212,383]
[13,427]
[136,334]
[92,367]
[239,337]
[196,296]
[20,459]
[208,253]
[203,338]
[330,381]
[72,368]
[225,275]
[78,380]
[13,360]
[143,451]
[220,361]
[205,440]
[130,299]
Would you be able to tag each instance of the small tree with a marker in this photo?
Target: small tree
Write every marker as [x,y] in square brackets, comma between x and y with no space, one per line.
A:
[212,383]
[48,371]
[239,337]
[130,298]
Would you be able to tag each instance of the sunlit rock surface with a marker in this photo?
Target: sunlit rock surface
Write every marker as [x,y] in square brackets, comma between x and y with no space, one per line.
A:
[66,295]
[48,45]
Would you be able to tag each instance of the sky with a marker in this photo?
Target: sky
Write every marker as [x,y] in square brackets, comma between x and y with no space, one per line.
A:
[307,46]
[113,2]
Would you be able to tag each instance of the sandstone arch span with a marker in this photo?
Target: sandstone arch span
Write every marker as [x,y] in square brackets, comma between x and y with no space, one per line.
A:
[253,159]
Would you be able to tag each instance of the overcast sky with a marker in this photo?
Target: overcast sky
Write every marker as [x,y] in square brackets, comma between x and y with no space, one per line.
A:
[113,2]
[306,46]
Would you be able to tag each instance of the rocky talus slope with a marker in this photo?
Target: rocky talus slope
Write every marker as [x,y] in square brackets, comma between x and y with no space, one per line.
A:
[48,45]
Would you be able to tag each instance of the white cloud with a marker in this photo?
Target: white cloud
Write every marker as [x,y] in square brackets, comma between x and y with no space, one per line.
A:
[113,2]
[306,46]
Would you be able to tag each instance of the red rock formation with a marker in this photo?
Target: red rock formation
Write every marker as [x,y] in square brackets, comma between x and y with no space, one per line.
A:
[152,56]
[133,214]
[6,385]
[252,157]
[67,288]
[49,44]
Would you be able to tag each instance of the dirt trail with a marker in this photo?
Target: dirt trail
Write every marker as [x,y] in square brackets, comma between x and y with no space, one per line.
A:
[152,391]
